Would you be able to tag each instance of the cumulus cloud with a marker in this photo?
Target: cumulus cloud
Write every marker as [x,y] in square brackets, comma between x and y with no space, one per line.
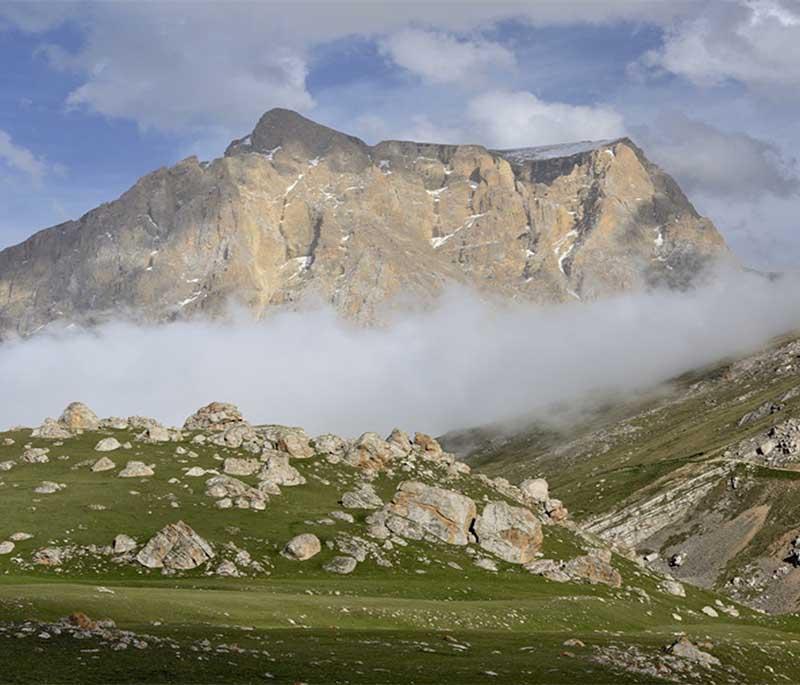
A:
[518,118]
[172,69]
[755,42]
[720,163]
[439,57]
[20,158]
[465,363]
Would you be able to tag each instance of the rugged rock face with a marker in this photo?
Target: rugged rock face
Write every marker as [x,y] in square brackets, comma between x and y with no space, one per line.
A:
[296,210]
[511,533]
[420,511]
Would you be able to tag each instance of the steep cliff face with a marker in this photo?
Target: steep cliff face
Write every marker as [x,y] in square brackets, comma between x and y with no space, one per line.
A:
[297,211]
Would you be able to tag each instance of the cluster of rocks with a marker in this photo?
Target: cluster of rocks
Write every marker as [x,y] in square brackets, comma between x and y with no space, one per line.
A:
[779,446]
[680,661]
[506,527]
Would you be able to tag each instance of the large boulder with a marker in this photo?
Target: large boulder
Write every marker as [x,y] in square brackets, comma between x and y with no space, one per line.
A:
[512,533]
[535,489]
[420,511]
[103,464]
[290,440]
[107,445]
[332,446]
[371,452]
[216,416]
[77,416]
[278,471]
[177,547]
[302,547]
[594,570]
[136,469]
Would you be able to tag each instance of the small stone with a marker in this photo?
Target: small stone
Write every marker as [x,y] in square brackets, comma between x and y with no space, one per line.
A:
[6,547]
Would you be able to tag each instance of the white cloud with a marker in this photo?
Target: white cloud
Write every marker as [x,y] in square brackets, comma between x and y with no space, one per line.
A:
[312,369]
[172,69]
[720,163]
[20,158]
[516,119]
[439,57]
[755,42]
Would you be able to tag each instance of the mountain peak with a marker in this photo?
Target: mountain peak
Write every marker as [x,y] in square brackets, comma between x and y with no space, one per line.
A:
[300,136]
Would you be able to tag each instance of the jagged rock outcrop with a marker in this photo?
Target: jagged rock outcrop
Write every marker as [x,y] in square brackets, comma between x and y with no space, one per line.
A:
[296,210]
[175,547]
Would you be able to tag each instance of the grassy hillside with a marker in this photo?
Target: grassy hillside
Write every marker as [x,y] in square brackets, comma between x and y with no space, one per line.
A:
[430,617]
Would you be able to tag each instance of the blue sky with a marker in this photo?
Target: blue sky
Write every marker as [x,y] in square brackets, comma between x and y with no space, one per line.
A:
[94,95]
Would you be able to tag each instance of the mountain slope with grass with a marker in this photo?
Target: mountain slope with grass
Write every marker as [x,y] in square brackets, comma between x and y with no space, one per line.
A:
[701,478]
[226,552]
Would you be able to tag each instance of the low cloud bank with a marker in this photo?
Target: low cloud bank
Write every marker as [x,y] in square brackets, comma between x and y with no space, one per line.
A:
[465,363]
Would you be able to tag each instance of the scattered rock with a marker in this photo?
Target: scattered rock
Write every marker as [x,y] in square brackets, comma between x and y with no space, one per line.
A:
[48,487]
[243,495]
[556,510]
[155,434]
[35,455]
[672,587]
[227,569]
[295,442]
[107,445]
[371,452]
[685,649]
[20,537]
[486,564]
[50,556]
[710,611]
[512,533]
[103,464]
[123,543]
[175,547]
[241,467]
[342,565]
[302,547]
[196,472]
[136,469]
[363,497]
[594,570]
[6,547]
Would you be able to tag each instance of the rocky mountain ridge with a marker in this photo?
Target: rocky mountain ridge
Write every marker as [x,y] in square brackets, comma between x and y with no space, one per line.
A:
[296,212]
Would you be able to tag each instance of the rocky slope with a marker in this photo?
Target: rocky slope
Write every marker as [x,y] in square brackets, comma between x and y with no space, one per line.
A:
[702,479]
[298,212]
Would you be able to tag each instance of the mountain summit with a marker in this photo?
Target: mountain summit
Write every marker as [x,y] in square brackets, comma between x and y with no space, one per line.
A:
[297,210]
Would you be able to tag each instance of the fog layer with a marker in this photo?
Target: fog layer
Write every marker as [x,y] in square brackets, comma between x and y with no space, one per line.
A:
[462,364]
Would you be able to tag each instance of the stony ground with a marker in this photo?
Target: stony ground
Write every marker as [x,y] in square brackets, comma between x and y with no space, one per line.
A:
[99,583]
